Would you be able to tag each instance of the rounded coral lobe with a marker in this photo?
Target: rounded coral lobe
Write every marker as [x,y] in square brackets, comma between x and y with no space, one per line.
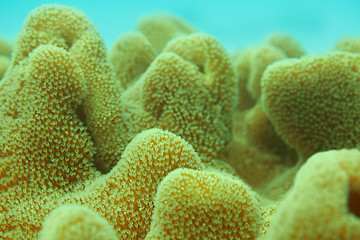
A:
[314,102]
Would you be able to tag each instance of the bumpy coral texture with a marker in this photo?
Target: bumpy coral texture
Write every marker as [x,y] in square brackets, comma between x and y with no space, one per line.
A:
[285,42]
[124,196]
[5,53]
[75,222]
[161,28]
[256,148]
[348,44]
[169,138]
[133,52]
[250,65]
[39,125]
[323,204]
[190,93]
[131,55]
[5,48]
[194,204]
[45,147]
[314,102]
[188,89]
[101,109]
[4,64]
[206,65]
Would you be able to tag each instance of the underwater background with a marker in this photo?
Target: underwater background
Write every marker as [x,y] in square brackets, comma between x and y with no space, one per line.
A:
[317,25]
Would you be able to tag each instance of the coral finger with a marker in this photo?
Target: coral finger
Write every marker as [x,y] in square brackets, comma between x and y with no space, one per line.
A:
[194,204]
[324,201]
[131,55]
[161,28]
[126,194]
[314,102]
[74,222]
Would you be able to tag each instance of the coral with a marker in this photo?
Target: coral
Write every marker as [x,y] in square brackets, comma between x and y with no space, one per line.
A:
[190,93]
[219,166]
[124,196]
[5,53]
[241,61]
[260,133]
[194,204]
[250,65]
[249,163]
[204,112]
[5,48]
[170,138]
[254,127]
[45,147]
[348,44]
[44,144]
[74,222]
[313,102]
[184,91]
[101,109]
[131,55]
[161,28]
[286,43]
[323,203]
[4,64]
[256,148]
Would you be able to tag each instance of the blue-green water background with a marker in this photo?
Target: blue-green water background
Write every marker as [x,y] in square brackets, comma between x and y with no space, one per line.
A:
[316,24]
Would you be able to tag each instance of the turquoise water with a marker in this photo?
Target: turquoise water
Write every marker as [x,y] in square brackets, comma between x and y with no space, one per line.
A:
[317,25]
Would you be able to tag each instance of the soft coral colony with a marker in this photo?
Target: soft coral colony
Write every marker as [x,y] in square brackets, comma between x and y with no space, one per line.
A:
[169,137]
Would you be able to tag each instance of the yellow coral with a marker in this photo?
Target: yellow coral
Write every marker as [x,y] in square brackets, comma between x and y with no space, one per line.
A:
[194,204]
[256,148]
[131,55]
[261,57]
[45,147]
[74,222]
[101,110]
[250,163]
[124,196]
[286,43]
[323,204]
[190,93]
[241,61]
[209,106]
[314,102]
[44,144]
[250,65]
[5,53]
[348,44]
[254,127]
[4,64]
[5,48]
[161,28]
[66,112]
[260,133]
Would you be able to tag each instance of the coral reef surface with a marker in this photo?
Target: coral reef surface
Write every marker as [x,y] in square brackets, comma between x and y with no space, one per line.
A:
[168,136]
